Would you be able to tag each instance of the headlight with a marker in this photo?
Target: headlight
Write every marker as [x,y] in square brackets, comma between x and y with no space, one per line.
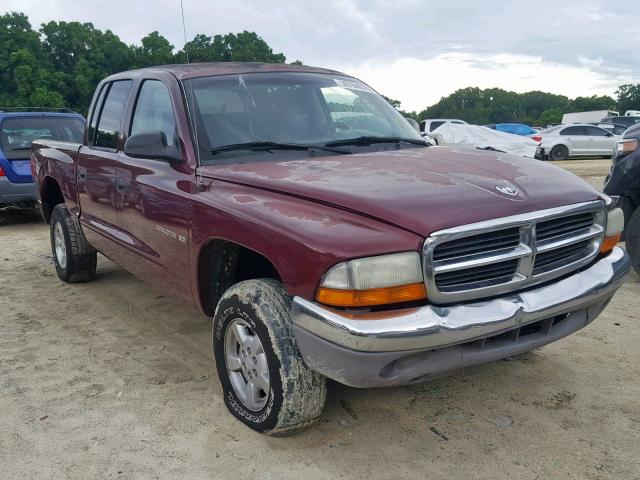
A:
[386,279]
[615,226]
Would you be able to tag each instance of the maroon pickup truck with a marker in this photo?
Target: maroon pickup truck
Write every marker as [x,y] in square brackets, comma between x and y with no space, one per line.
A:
[324,236]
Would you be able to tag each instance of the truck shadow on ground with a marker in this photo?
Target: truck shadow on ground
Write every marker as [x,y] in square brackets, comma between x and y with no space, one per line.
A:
[15,216]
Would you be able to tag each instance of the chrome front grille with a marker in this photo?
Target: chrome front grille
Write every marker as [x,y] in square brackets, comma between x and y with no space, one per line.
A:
[497,256]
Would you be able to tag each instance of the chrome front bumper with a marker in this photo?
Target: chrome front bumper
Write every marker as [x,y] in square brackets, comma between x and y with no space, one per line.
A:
[398,333]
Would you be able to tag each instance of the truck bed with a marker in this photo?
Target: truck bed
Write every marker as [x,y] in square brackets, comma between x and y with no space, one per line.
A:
[57,160]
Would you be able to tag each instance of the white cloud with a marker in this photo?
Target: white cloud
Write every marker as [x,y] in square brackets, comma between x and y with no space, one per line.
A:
[418,83]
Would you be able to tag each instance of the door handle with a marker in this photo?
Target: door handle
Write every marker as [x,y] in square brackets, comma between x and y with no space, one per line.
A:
[121,184]
[82,173]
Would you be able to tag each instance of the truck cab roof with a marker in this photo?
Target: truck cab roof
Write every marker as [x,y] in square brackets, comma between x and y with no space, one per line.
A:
[194,70]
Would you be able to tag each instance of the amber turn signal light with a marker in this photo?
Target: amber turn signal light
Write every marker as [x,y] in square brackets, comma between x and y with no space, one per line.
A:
[371,297]
[609,242]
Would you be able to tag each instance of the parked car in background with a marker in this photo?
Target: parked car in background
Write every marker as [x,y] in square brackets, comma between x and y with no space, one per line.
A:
[480,137]
[18,128]
[623,184]
[429,125]
[614,128]
[514,128]
[627,121]
[323,245]
[564,141]
[632,113]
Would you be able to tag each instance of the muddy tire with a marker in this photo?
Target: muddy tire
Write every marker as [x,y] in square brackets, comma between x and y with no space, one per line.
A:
[75,260]
[559,152]
[632,239]
[265,382]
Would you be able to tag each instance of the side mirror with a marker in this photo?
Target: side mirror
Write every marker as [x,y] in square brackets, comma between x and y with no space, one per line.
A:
[152,145]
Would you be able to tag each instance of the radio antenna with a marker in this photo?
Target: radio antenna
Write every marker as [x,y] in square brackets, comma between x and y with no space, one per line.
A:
[184,31]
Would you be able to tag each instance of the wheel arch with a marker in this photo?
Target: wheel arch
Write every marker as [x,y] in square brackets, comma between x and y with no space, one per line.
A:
[50,196]
[222,263]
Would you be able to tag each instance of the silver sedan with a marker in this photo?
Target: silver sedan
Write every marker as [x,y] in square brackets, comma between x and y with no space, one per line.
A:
[580,139]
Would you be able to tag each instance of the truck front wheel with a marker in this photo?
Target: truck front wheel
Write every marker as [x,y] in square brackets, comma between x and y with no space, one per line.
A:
[632,239]
[265,382]
[75,260]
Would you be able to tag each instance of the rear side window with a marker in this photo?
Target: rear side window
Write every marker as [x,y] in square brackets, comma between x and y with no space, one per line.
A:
[110,121]
[573,131]
[96,113]
[435,125]
[154,111]
[17,133]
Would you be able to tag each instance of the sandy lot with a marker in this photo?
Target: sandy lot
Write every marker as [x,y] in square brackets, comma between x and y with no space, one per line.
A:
[112,379]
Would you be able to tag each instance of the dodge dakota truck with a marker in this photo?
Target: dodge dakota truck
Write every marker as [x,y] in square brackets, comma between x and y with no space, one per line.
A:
[325,238]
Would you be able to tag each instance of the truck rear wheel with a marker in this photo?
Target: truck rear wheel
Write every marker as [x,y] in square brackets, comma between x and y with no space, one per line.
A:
[75,260]
[632,239]
[265,382]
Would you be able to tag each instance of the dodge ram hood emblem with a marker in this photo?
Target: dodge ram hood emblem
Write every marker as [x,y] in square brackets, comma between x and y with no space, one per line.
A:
[507,190]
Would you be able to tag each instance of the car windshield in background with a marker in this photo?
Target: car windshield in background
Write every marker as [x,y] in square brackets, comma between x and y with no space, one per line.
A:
[18,133]
[239,115]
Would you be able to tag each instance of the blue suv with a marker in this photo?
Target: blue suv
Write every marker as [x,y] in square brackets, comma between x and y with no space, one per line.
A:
[18,128]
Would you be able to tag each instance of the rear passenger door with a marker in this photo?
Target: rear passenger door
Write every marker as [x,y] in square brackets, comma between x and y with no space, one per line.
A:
[154,198]
[576,139]
[97,166]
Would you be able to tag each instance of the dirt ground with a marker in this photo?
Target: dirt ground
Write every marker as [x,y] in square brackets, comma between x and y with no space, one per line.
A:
[112,379]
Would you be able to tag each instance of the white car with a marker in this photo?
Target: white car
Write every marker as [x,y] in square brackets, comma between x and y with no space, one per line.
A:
[578,139]
[428,125]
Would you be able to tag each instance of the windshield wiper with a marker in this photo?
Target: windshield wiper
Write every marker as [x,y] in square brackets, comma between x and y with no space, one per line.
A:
[20,148]
[369,140]
[265,146]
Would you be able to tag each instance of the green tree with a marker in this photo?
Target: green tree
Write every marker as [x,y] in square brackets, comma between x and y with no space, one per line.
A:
[155,50]
[394,103]
[241,47]
[552,115]
[585,104]
[24,68]
[80,56]
[628,97]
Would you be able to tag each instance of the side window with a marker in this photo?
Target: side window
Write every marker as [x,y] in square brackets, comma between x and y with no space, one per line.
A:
[596,132]
[435,125]
[154,112]
[110,121]
[573,131]
[96,113]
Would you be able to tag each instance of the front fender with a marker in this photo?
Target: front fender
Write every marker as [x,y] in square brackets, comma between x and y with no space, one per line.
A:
[301,238]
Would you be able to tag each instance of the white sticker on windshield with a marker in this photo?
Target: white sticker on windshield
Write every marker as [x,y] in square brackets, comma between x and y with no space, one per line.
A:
[352,85]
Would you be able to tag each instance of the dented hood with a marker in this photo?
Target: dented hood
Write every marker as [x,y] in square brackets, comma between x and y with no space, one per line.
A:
[421,190]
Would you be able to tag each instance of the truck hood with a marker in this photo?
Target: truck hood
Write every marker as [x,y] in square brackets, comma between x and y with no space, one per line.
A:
[421,190]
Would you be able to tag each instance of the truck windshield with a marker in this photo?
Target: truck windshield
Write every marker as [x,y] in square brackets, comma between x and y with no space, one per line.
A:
[233,113]
[17,133]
